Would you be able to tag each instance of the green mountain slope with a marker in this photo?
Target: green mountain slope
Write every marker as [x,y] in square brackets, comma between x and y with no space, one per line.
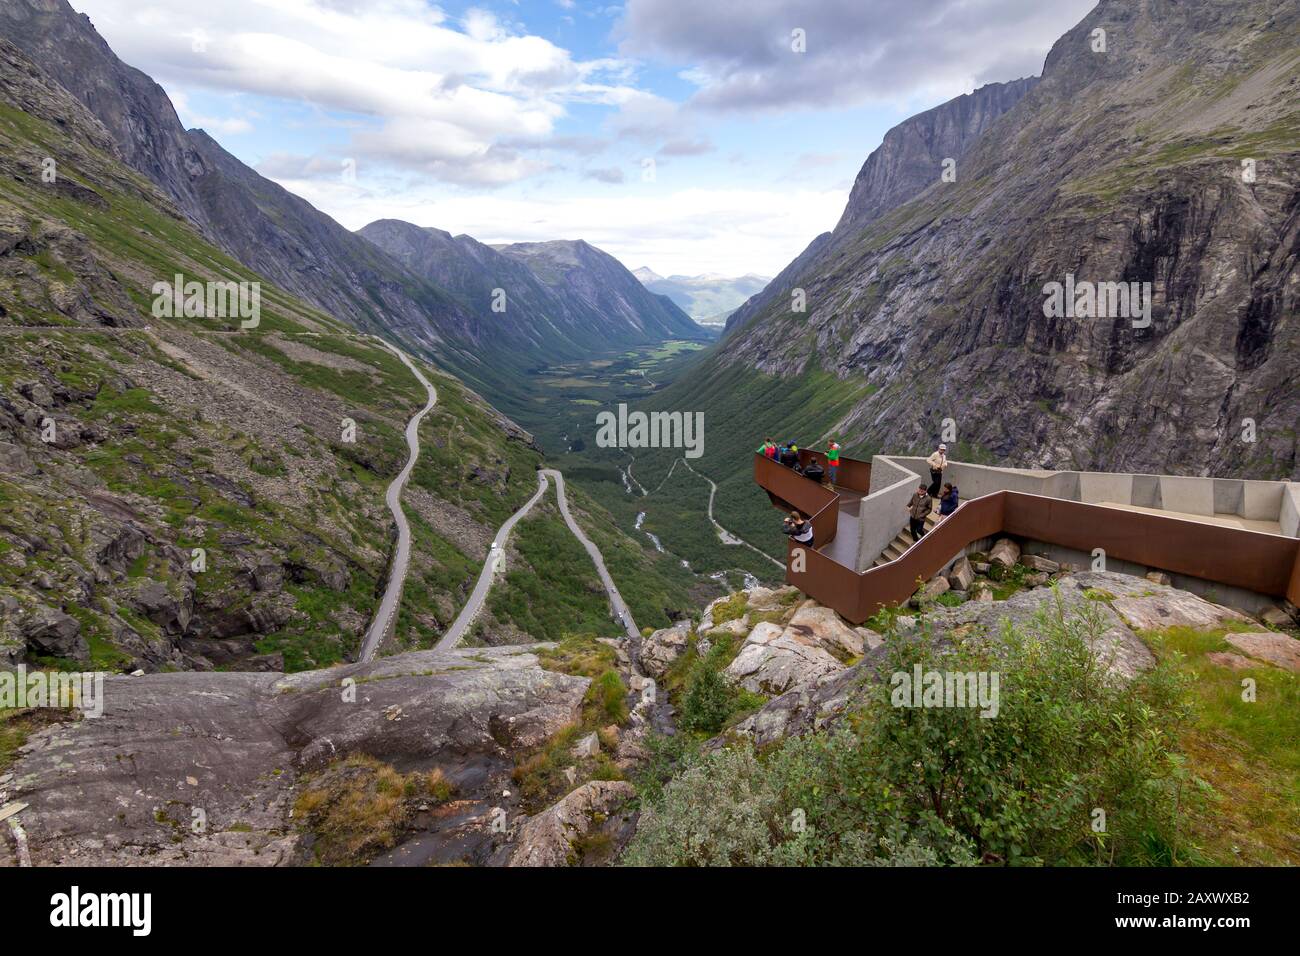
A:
[199,503]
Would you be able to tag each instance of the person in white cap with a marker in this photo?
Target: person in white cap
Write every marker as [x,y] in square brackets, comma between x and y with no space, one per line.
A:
[937,462]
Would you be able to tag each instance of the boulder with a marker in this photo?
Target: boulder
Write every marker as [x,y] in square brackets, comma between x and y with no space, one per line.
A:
[1005,552]
[172,612]
[1148,606]
[870,639]
[961,575]
[826,628]
[932,589]
[548,839]
[1159,577]
[1276,617]
[587,746]
[1037,562]
[1036,580]
[51,633]
[14,460]
[663,647]
[737,627]
[774,660]
[981,567]
[1279,649]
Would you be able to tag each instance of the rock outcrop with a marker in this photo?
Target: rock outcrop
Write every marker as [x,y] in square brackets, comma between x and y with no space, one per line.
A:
[820,701]
[124,788]
[660,649]
[552,837]
[775,659]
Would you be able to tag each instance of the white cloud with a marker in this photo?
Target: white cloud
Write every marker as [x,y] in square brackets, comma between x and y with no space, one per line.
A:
[443,95]
[742,54]
[225,125]
[674,231]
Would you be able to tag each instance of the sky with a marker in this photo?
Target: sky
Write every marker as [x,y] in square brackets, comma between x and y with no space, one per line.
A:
[689,136]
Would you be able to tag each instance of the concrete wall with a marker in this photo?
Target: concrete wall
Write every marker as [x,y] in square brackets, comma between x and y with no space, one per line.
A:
[1248,601]
[1257,500]
[1290,517]
[884,512]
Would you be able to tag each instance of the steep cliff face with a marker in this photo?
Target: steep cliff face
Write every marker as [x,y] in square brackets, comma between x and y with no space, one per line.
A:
[912,154]
[134,109]
[1171,158]
[909,159]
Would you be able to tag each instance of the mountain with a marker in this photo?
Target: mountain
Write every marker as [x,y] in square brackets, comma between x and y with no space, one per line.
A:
[262,225]
[132,443]
[560,298]
[708,299]
[307,253]
[908,160]
[1173,159]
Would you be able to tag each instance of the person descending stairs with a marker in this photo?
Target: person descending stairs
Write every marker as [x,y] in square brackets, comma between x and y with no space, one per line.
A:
[904,540]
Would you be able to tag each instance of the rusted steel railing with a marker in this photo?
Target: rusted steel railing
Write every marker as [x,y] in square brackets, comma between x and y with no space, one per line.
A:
[791,491]
[1253,560]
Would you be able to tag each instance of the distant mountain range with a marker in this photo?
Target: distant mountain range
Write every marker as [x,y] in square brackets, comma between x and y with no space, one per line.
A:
[710,298]
[562,309]
[553,299]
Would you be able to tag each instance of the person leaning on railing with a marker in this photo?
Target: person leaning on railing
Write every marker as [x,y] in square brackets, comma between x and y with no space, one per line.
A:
[832,461]
[799,529]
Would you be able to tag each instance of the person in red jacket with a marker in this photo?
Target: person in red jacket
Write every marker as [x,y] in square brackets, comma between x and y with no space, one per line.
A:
[832,461]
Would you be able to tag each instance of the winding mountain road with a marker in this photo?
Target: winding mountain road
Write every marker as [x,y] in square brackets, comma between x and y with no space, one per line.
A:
[725,536]
[616,601]
[384,617]
[456,633]
[495,559]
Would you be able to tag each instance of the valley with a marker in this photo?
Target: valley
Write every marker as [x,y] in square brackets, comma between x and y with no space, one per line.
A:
[337,517]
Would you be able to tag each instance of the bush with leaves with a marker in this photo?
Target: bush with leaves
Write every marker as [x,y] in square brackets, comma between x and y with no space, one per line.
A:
[944,785]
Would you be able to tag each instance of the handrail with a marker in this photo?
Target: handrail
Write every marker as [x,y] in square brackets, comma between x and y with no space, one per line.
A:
[795,492]
[1254,560]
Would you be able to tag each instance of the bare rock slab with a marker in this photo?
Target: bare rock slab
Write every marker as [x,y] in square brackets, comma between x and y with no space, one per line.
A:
[774,660]
[1281,650]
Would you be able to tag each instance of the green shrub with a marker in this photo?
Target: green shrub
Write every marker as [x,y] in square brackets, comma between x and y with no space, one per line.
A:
[708,701]
[607,699]
[945,785]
